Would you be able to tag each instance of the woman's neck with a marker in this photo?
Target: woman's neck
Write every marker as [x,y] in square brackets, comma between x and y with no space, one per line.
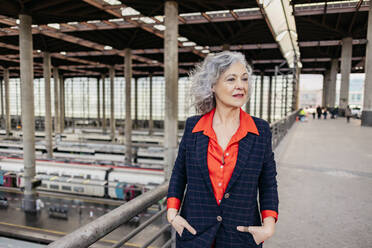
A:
[226,116]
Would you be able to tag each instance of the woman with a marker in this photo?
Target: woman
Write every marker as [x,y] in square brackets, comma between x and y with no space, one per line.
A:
[224,157]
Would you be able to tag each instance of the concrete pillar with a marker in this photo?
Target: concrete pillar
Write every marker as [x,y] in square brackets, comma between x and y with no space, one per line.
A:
[135,102]
[128,114]
[151,121]
[98,104]
[112,104]
[325,93]
[261,94]
[56,100]
[62,103]
[2,100]
[269,100]
[367,102]
[346,54]
[331,96]
[295,90]
[255,96]
[103,104]
[72,106]
[7,102]
[171,85]
[48,105]
[28,117]
[275,82]
[248,106]
[286,97]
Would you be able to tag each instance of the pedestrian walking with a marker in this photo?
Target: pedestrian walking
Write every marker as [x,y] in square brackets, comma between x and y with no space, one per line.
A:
[225,158]
[319,112]
[325,113]
[348,113]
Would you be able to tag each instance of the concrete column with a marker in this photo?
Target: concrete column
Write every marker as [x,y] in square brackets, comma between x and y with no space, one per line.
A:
[248,106]
[261,94]
[151,121]
[171,85]
[48,105]
[269,100]
[2,100]
[275,82]
[367,102]
[103,104]
[28,117]
[128,114]
[72,105]
[135,102]
[56,100]
[62,103]
[7,103]
[325,93]
[286,97]
[346,54]
[331,96]
[112,104]
[255,96]
[98,104]
[296,90]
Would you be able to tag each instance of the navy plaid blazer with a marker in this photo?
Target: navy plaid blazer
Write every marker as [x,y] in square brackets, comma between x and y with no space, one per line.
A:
[255,171]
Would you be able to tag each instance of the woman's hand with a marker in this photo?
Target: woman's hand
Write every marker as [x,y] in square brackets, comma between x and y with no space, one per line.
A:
[178,222]
[260,233]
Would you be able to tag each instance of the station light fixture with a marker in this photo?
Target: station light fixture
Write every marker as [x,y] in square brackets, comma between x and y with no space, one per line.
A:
[160,27]
[54,25]
[189,43]
[182,39]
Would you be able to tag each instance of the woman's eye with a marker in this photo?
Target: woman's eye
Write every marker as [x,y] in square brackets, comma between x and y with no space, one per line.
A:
[245,79]
[231,79]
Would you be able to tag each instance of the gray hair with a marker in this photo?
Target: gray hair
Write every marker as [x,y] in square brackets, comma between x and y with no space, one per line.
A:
[206,74]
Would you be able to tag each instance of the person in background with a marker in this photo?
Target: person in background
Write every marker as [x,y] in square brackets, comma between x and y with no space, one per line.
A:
[325,113]
[348,113]
[319,112]
[224,159]
[302,114]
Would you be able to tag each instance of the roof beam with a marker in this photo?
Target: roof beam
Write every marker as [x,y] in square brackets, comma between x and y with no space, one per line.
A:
[186,19]
[149,28]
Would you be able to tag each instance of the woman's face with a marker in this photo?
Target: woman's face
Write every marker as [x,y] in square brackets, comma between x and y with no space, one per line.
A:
[231,88]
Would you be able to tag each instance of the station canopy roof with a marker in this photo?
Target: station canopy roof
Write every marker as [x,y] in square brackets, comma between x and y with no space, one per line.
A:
[86,37]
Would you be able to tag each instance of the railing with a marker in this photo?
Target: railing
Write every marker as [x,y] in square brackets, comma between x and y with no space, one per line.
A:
[95,230]
[280,128]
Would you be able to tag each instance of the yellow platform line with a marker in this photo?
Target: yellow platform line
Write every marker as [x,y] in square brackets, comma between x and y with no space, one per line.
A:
[63,233]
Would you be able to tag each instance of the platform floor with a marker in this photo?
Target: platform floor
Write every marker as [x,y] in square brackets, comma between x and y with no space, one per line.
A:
[325,186]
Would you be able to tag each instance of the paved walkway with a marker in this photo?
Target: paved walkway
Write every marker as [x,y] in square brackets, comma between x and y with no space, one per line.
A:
[325,186]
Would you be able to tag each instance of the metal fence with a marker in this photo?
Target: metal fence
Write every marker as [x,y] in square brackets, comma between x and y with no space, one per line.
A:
[97,229]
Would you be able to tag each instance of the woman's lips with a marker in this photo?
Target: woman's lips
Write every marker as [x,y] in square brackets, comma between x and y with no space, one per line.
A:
[238,95]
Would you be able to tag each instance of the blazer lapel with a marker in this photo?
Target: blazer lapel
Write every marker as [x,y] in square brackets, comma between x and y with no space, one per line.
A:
[202,142]
[245,146]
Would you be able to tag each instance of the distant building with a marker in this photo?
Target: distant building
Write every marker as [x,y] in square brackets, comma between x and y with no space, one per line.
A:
[310,98]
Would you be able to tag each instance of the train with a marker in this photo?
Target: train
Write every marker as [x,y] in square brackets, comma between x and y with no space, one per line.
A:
[82,179]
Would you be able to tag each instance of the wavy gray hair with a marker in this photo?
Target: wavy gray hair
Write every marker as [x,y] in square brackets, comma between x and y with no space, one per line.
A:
[206,74]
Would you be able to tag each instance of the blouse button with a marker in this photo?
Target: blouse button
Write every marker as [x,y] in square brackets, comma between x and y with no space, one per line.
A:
[227,154]
[221,166]
[220,184]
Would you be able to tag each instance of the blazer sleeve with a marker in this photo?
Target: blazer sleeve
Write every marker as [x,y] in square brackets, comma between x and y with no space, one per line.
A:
[267,184]
[177,182]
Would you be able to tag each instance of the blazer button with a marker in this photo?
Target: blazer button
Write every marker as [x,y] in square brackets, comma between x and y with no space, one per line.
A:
[219,218]
[227,195]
